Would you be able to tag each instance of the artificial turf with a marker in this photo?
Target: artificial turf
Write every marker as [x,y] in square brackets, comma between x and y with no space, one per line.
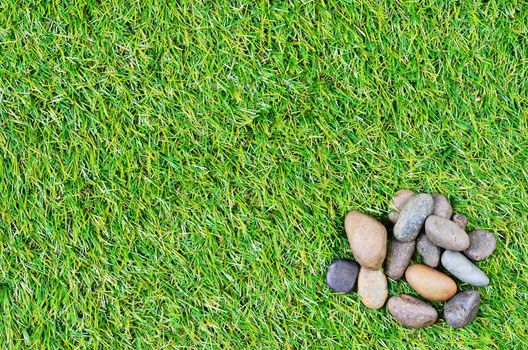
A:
[176,174]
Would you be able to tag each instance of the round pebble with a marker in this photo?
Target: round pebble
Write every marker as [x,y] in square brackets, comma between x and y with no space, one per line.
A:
[411,312]
[412,217]
[442,207]
[431,284]
[463,269]
[367,238]
[399,255]
[342,275]
[445,233]
[372,287]
[481,244]
[460,220]
[428,251]
[462,309]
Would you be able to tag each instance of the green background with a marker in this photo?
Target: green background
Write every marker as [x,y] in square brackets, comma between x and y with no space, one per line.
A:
[177,175]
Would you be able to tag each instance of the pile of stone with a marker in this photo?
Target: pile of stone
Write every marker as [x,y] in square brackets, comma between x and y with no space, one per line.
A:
[424,223]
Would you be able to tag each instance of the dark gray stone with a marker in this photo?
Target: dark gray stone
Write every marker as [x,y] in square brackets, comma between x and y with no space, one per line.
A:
[445,233]
[462,309]
[463,269]
[442,207]
[342,275]
[411,312]
[412,217]
[428,251]
[481,244]
[398,257]
[460,220]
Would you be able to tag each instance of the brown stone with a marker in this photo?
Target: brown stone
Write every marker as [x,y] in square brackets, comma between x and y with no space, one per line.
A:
[367,238]
[398,202]
[398,257]
[442,207]
[372,287]
[460,220]
[431,284]
[411,312]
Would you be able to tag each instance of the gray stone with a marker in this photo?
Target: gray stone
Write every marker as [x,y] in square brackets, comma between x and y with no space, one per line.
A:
[442,207]
[428,251]
[342,275]
[412,217]
[398,257]
[481,244]
[460,220]
[445,233]
[462,309]
[411,312]
[463,269]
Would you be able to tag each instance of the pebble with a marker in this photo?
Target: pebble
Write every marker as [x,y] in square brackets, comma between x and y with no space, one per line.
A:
[428,251]
[481,244]
[445,233]
[431,284]
[398,201]
[411,312]
[367,238]
[372,287]
[463,269]
[412,217]
[398,257]
[342,275]
[461,309]
[460,220]
[442,207]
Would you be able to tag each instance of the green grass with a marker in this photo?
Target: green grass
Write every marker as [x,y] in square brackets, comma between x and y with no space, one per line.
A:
[177,176]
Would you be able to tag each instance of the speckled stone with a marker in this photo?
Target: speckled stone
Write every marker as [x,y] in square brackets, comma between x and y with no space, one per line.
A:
[398,257]
[445,233]
[412,217]
[481,244]
[428,251]
[460,220]
[372,287]
[463,269]
[442,207]
[342,275]
[411,312]
[462,309]
[367,238]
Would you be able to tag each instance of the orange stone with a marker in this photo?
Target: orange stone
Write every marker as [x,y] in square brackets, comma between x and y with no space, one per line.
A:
[431,284]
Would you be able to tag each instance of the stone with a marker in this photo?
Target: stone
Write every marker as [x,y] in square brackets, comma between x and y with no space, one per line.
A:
[442,207]
[342,275]
[431,284]
[428,251]
[460,220]
[398,257]
[411,312]
[445,233]
[398,201]
[462,309]
[393,216]
[481,244]
[367,238]
[372,287]
[412,217]
[463,269]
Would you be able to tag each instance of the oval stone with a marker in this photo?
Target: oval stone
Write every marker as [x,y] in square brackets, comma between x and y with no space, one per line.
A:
[399,255]
[481,244]
[460,220]
[463,269]
[461,309]
[342,275]
[412,217]
[428,251]
[398,201]
[367,238]
[445,233]
[372,287]
[411,312]
[431,284]
[442,207]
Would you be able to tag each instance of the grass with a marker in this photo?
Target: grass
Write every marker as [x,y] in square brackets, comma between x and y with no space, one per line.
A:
[177,176]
